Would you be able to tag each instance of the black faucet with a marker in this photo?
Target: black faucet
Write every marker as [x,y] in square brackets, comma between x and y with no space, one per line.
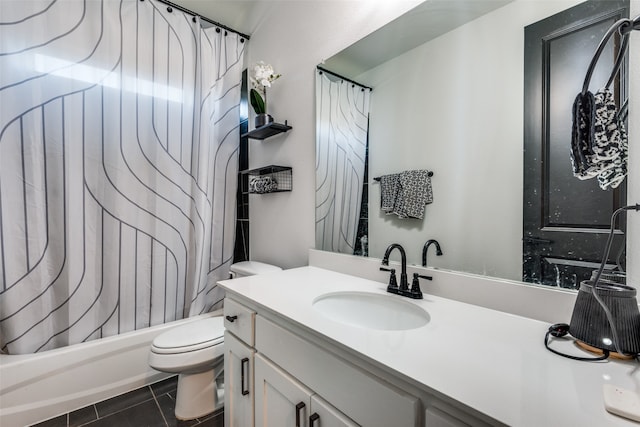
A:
[403,289]
[426,248]
[404,285]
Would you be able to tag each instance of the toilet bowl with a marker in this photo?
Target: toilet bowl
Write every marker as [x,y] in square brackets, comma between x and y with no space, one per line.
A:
[195,352]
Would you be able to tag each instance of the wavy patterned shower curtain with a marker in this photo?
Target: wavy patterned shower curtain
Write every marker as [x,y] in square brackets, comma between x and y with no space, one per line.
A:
[118,168]
[342,125]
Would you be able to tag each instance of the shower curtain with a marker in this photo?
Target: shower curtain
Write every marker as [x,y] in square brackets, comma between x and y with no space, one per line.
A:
[118,168]
[342,115]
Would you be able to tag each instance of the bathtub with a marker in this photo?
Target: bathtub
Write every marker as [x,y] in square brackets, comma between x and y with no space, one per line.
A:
[36,387]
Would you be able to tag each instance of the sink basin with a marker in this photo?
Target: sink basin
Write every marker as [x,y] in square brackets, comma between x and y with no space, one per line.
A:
[371,311]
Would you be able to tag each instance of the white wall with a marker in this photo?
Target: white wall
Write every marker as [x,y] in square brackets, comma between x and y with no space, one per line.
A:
[296,36]
[469,132]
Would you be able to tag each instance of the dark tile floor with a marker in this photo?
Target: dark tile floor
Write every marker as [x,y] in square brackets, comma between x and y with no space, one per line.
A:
[150,406]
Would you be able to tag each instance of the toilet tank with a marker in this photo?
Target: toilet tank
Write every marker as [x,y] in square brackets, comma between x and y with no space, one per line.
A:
[250,268]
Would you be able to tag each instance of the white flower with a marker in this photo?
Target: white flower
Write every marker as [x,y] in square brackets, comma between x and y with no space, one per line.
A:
[263,75]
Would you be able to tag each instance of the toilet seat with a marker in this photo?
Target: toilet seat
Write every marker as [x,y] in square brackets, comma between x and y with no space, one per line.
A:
[193,336]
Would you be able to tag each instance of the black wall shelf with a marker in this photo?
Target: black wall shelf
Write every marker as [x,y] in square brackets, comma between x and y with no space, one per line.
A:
[269,179]
[268,130]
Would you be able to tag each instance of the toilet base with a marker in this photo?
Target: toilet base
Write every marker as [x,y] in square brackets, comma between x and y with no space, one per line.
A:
[198,394]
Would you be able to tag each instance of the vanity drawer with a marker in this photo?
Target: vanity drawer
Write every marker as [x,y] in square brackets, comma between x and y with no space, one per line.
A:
[240,321]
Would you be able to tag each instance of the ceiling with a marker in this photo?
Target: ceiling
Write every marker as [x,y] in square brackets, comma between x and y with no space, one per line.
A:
[424,22]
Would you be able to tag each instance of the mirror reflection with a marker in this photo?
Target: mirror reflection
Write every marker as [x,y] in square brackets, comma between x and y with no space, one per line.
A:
[483,100]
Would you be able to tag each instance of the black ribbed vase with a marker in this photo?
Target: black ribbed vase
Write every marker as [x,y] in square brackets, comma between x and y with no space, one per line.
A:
[589,322]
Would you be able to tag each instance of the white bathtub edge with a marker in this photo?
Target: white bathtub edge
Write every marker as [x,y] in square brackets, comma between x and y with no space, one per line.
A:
[37,387]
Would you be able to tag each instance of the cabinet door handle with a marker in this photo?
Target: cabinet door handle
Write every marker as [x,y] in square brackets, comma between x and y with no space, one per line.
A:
[299,407]
[244,362]
[313,418]
[231,318]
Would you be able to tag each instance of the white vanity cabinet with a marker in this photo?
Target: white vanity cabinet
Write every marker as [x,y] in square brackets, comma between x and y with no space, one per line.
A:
[282,401]
[277,374]
[455,371]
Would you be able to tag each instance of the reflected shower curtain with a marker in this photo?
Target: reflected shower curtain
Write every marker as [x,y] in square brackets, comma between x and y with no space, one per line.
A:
[118,168]
[342,114]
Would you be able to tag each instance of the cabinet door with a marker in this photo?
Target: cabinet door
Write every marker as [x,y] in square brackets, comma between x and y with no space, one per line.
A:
[281,401]
[238,382]
[325,415]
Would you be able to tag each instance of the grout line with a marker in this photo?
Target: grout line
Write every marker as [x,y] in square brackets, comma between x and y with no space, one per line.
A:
[155,399]
[126,407]
[95,410]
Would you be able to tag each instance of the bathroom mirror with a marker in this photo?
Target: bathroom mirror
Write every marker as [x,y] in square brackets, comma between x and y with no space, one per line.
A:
[449,96]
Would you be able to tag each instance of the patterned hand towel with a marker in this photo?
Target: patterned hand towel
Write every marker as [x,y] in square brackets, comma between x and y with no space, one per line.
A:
[415,193]
[389,188]
[582,135]
[610,145]
[599,146]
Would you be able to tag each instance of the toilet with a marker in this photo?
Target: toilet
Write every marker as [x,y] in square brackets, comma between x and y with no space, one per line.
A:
[195,351]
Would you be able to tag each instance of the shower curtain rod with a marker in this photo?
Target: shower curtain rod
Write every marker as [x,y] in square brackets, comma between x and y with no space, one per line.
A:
[204,18]
[343,77]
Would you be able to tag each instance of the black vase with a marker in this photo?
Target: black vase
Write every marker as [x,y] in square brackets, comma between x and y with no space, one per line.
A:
[589,323]
[263,119]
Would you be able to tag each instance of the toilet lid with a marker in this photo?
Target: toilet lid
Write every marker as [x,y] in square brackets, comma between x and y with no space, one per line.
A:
[192,336]
[250,268]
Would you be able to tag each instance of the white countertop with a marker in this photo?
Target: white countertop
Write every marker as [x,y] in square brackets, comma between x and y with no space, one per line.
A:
[490,361]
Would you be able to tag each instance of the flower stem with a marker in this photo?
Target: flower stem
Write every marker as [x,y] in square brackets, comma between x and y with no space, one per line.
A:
[265,100]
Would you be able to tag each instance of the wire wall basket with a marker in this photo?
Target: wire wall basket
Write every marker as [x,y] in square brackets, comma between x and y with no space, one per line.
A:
[269,179]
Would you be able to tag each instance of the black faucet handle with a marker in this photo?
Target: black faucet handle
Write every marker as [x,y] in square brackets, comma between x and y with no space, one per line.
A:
[393,281]
[415,291]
